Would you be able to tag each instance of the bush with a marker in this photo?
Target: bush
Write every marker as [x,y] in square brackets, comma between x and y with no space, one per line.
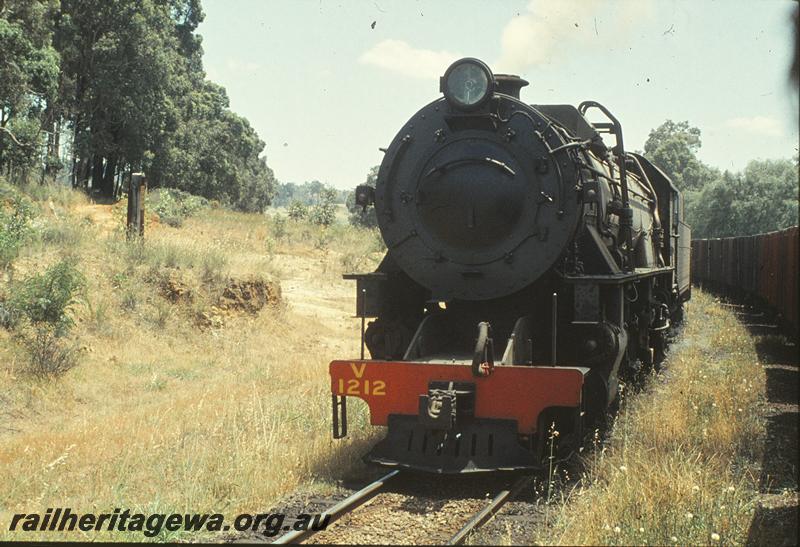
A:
[8,316]
[323,214]
[364,218]
[278,226]
[297,211]
[173,205]
[255,194]
[44,299]
[15,216]
[48,352]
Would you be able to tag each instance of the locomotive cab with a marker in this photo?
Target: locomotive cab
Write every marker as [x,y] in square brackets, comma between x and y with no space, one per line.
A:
[527,270]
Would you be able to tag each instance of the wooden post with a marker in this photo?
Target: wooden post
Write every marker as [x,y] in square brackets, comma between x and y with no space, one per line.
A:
[137,188]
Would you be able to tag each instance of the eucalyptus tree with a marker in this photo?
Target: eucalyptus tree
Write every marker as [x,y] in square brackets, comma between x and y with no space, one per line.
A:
[28,80]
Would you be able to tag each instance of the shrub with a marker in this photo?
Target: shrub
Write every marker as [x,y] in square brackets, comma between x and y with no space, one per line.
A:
[214,265]
[278,226]
[49,354]
[297,211]
[15,216]
[173,205]
[8,316]
[62,233]
[323,214]
[255,194]
[44,299]
[38,308]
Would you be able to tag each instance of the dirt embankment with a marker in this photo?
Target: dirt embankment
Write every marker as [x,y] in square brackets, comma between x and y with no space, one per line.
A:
[778,509]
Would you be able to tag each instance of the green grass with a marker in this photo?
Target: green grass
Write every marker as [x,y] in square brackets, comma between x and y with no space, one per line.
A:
[681,464]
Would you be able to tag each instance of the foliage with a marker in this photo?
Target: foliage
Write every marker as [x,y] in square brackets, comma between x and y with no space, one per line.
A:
[307,193]
[324,212]
[677,469]
[256,190]
[673,147]
[126,77]
[15,216]
[125,66]
[28,77]
[278,227]
[762,198]
[49,354]
[297,210]
[38,310]
[173,206]
[358,216]
[44,299]
[215,153]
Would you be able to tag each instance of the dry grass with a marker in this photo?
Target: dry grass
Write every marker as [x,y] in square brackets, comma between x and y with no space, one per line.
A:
[161,414]
[681,464]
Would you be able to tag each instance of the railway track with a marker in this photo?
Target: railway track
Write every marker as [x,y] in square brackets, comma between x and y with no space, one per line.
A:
[347,506]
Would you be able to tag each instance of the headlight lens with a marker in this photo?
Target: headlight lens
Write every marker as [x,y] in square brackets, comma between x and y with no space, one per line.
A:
[467,84]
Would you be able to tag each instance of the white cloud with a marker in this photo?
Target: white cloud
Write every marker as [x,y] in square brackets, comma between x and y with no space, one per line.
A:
[551,30]
[759,125]
[399,56]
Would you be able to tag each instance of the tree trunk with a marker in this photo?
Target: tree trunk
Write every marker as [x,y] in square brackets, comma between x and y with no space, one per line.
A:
[48,125]
[97,174]
[108,176]
[86,169]
[57,145]
[76,162]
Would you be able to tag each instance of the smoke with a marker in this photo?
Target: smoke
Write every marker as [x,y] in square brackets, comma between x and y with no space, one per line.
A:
[549,31]
[399,56]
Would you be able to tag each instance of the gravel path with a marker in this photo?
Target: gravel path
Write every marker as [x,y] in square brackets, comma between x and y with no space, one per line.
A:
[413,509]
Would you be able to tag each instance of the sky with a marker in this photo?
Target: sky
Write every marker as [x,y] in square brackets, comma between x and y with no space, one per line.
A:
[326,83]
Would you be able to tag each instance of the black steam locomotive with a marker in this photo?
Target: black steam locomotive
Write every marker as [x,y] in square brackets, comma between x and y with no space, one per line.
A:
[530,265]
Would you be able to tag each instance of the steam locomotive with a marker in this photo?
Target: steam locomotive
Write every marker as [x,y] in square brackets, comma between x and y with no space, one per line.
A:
[529,266]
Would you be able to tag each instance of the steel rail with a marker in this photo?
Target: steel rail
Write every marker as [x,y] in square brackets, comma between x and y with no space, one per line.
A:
[341,508]
[489,511]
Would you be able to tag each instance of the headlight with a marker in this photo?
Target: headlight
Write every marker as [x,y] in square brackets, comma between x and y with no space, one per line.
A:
[467,84]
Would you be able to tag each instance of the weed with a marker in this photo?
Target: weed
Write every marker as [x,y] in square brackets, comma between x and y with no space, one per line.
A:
[156,383]
[172,206]
[162,313]
[46,298]
[58,194]
[680,461]
[134,251]
[16,213]
[129,300]
[356,260]
[213,264]
[169,256]
[9,316]
[63,233]
[279,226]
[49,354]
[99,320]
[321,240]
